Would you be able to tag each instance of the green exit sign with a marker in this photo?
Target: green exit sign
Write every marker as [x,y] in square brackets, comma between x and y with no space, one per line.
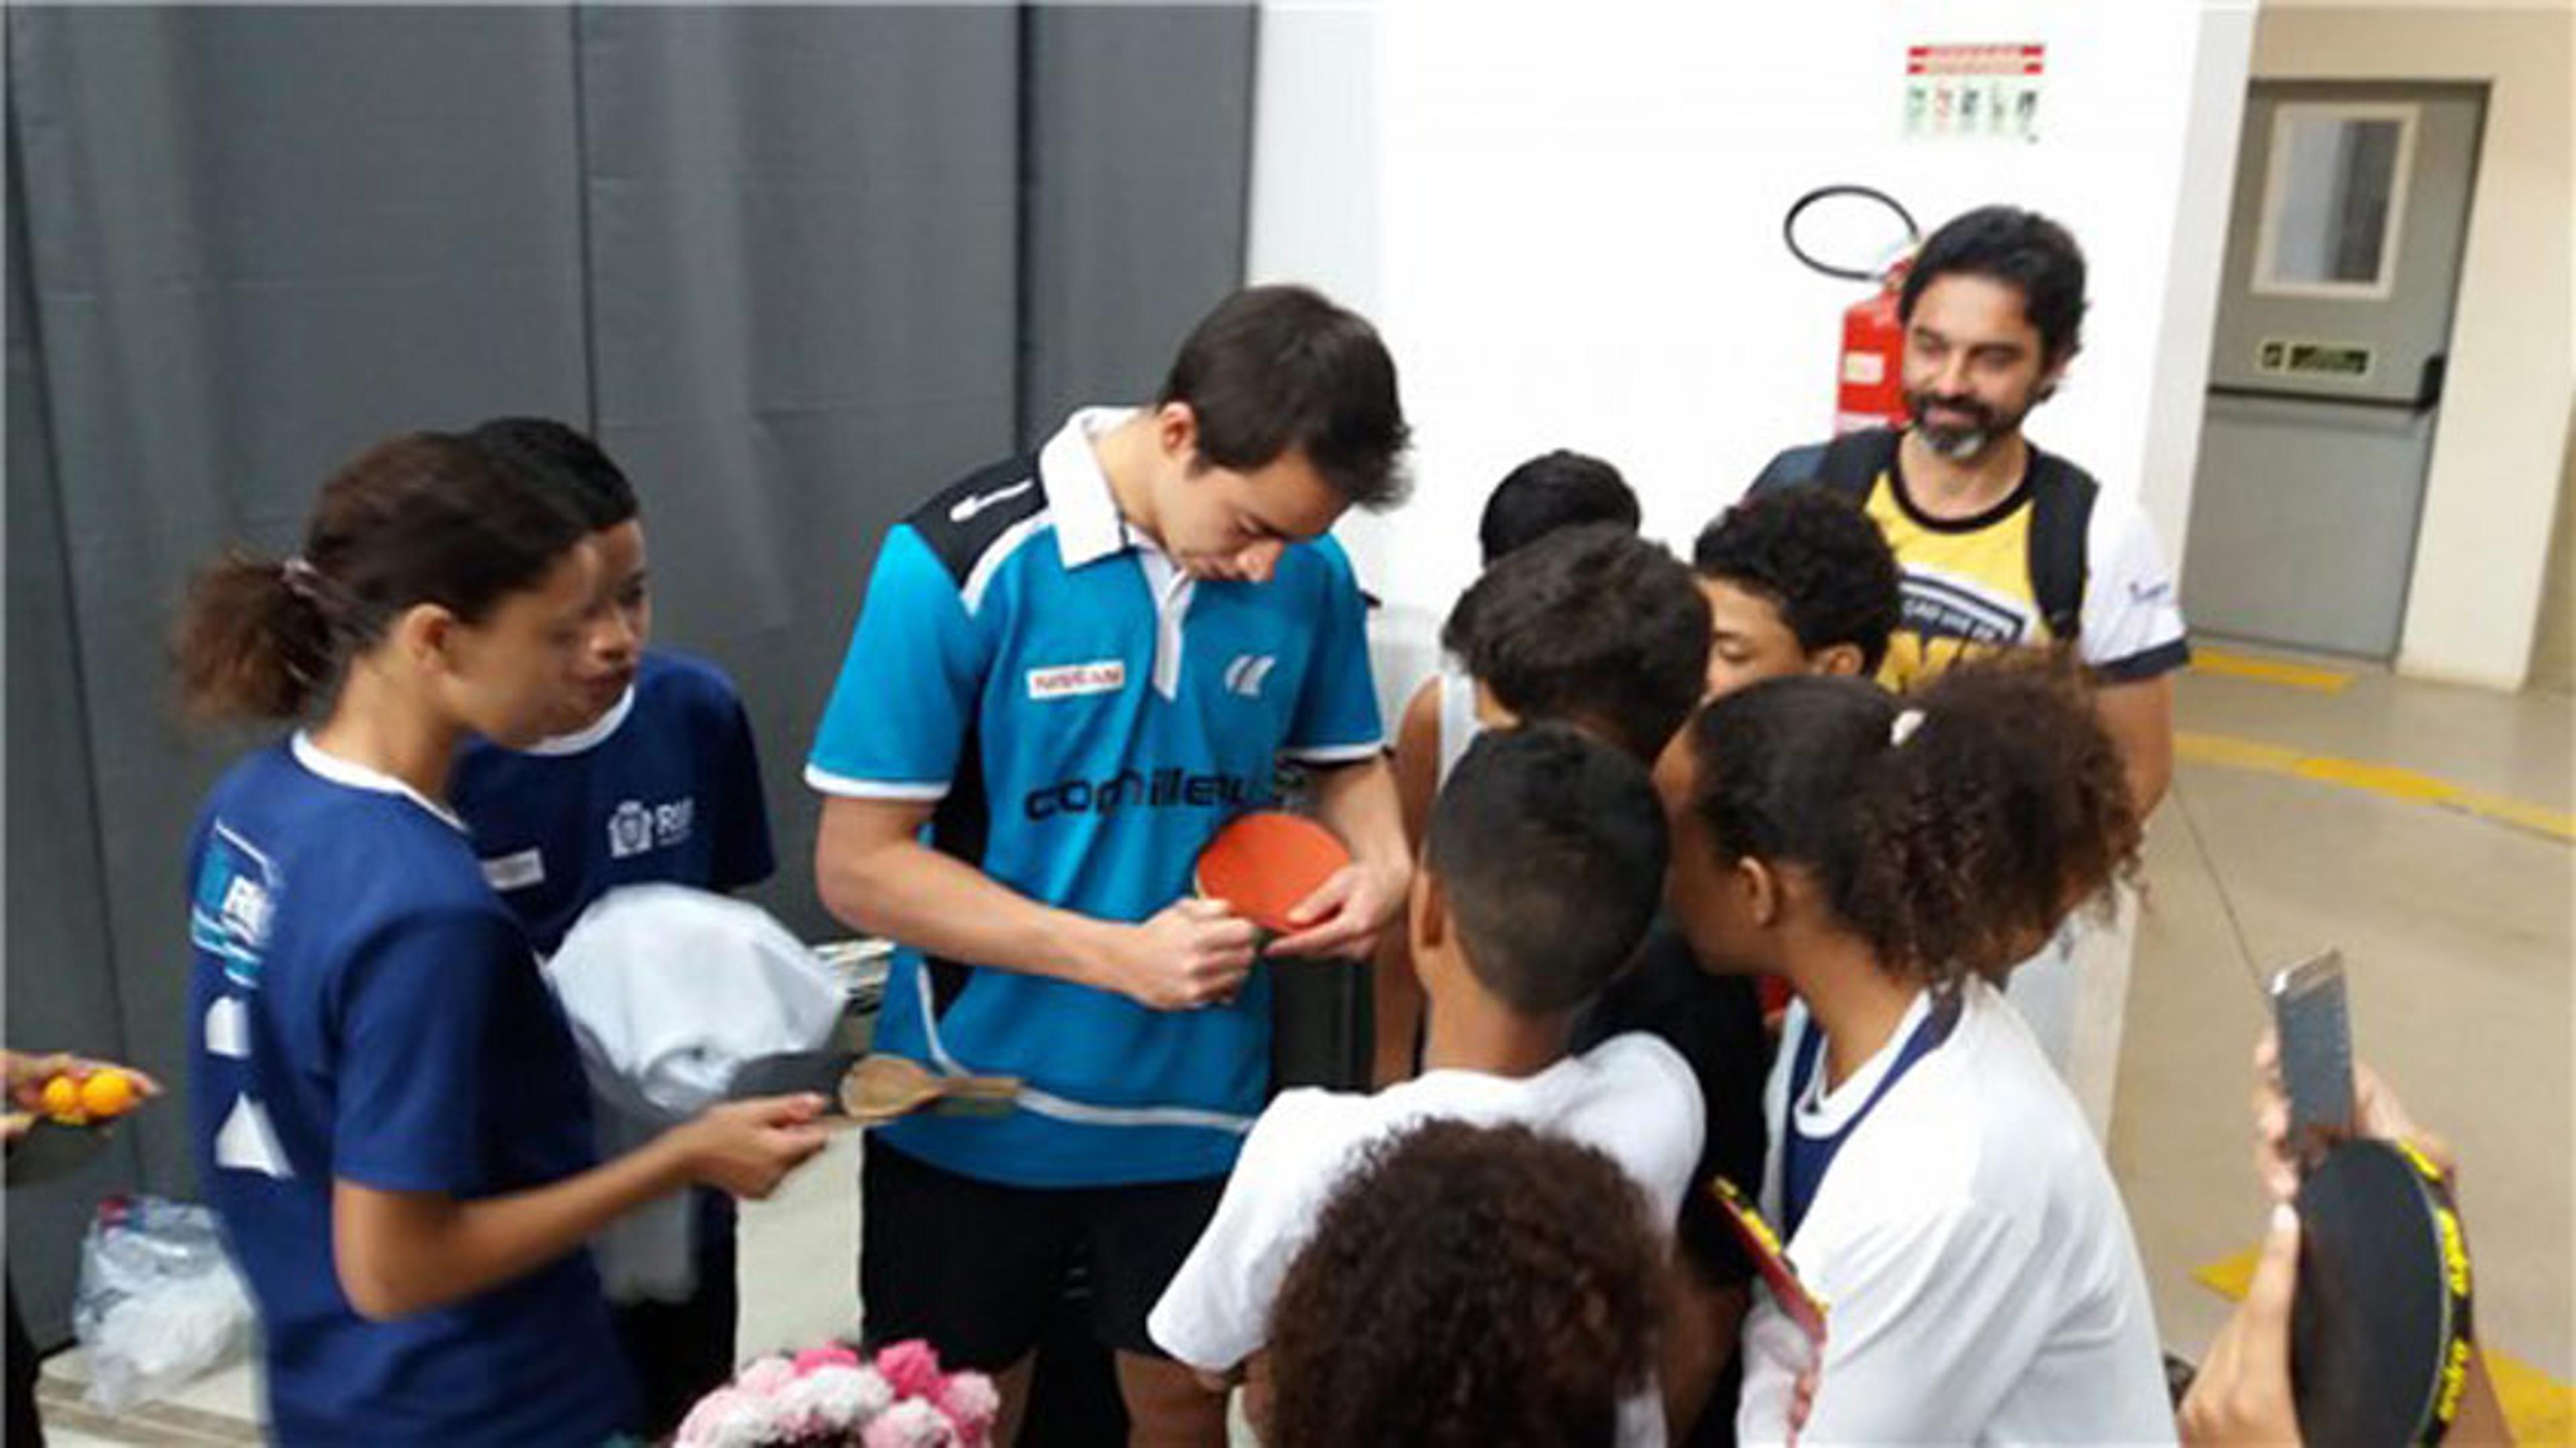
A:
[2291,357]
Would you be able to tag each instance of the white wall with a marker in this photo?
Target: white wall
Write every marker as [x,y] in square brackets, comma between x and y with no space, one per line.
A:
[1565,218]
[2482,552]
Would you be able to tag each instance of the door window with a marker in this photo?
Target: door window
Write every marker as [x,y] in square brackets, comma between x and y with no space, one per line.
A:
[2334,200]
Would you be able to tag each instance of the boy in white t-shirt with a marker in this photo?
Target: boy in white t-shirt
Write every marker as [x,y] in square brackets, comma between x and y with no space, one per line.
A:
[1541,870]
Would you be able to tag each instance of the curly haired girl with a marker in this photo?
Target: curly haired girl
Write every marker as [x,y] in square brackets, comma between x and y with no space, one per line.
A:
[1891,858]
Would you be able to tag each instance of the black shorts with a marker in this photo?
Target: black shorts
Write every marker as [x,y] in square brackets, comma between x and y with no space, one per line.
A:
[974,1267]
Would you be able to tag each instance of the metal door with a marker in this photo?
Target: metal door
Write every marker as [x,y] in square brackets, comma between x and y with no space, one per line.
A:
[2325,385]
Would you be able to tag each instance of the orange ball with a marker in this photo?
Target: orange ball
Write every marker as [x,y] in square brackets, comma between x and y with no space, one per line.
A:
[108,1093]
[62,1099]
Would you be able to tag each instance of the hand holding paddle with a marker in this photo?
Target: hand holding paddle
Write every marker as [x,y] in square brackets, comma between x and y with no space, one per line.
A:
[2376,1113]
[1296,880]
[2358,1325]
[1343,917]
[2242,1392]
[748,1147]
[1194,953]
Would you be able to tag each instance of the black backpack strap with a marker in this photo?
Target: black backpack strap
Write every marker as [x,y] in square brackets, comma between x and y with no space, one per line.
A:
[1849,465]
[1854,462]
[1787,469]
[2061,517]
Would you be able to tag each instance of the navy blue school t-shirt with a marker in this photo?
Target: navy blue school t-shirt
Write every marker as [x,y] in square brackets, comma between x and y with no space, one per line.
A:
[665,790]
[362,1007]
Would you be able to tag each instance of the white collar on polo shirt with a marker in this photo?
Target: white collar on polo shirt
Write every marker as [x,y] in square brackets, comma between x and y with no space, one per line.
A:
[1088,526]
[332,767]
[583,740]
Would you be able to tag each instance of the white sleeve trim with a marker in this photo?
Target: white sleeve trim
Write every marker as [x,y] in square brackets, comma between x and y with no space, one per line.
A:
[1336,753]
[2130,603]
[823,781]
[998,552]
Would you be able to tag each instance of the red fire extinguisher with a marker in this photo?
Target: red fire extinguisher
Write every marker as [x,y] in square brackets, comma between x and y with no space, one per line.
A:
[1869,381]
[1872,390]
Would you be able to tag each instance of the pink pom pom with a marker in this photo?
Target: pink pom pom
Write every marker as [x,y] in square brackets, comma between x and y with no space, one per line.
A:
[833,1356]
[971,1403]
[912,1367]
[714,1418]
[909,1424]
[764,1378]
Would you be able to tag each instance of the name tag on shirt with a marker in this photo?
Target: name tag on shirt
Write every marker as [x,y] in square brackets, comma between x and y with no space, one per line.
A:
[1069,681]
[516,872]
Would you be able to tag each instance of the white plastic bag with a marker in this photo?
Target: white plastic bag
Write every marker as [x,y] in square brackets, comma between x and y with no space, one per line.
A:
[669,990]
[159,1303]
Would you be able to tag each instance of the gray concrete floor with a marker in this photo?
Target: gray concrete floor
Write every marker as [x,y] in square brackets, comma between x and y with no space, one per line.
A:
[2456,931]
[2456,935]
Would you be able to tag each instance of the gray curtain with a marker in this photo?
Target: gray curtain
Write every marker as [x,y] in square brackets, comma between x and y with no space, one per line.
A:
[796,269]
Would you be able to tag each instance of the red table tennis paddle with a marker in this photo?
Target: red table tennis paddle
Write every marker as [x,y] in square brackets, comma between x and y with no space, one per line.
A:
[1771,1259]
[1264,864]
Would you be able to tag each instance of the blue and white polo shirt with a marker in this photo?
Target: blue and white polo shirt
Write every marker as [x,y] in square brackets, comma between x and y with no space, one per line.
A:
[1085,716]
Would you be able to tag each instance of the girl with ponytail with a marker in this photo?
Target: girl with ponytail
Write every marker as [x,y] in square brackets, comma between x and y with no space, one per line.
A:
[387,1106]
[1891,858]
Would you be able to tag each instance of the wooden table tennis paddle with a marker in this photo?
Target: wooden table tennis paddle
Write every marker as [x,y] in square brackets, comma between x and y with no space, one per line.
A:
[878,1089]
[866,1090]
[2380,1326]
[1264,864]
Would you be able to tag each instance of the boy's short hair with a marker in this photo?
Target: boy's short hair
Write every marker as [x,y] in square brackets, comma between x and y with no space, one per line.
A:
[1550,850]
[1559,489]
[570,462]
[2021,249]
[1593,625]
[1278,369]
[1470,1285]
[1818,558]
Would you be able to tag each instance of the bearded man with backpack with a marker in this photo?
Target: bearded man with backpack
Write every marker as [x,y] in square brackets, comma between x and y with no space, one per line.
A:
[2003,545]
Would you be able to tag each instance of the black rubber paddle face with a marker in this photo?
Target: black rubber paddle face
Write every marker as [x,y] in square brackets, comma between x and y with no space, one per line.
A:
[2379,1329]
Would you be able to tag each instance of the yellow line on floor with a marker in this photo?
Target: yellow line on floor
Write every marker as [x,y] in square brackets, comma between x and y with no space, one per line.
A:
[2269,671]
[2540,1408]
[2388,781]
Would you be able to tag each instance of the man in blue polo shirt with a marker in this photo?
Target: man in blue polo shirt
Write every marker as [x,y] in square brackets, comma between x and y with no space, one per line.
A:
[663,787]
[1071,669]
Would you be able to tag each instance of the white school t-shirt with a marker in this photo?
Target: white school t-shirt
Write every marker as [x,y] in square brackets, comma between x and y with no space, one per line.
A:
[1632,1097]
[1980,1280]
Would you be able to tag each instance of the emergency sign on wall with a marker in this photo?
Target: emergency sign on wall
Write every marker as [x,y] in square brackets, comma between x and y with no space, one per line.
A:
[1973,92]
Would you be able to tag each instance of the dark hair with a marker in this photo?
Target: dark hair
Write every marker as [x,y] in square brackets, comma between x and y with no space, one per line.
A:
[422,518]
[1554,490]
[2022,248]
[593,484]
[1278,369]
[1953,843]
[1818,558]
[1551,850]
[1470,1287]
[1590,625]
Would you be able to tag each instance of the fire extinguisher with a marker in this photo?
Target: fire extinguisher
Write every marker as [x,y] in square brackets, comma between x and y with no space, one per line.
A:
[1869,374]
